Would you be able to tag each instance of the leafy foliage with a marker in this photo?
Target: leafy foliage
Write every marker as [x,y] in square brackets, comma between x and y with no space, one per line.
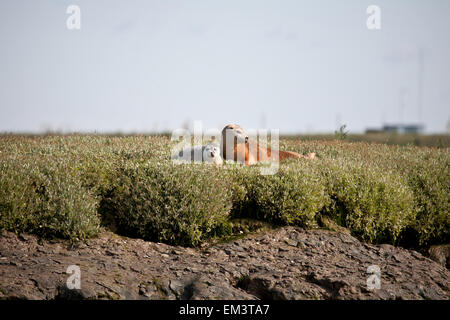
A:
[176,204]
[71,186]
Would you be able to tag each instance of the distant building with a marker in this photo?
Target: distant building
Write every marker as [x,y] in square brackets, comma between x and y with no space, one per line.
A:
[398,128]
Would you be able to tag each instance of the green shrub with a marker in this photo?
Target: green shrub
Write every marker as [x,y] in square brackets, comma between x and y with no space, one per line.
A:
[242,179]
[45,199]
[53,186]
[292,196]
[428,176]
[373,203]
[177,204]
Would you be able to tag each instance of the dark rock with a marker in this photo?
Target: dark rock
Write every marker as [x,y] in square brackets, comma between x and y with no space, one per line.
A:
[291,242]
[286,263]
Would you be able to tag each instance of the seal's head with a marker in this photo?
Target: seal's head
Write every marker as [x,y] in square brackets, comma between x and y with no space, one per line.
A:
[235,131]
[232,135]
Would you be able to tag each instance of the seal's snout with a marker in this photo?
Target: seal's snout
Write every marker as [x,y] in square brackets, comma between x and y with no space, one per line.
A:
[212,154]
[246,139]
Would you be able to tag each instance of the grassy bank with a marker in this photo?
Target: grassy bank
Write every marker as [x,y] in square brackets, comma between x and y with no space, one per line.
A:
[72,186]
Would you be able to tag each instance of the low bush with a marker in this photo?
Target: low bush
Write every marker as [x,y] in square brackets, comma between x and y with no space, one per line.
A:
[292,196]
[373,203]
[68,186]
[45,199]
[177,204]
[428,175]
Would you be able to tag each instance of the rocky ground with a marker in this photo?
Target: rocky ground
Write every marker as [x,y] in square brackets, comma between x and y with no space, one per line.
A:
[286,263]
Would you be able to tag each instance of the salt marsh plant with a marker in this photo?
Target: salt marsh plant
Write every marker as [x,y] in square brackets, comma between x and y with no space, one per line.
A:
[73,186]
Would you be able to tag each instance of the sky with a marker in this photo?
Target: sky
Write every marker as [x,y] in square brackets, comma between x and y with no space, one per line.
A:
[297,66]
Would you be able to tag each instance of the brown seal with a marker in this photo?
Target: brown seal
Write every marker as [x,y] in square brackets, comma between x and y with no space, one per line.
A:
[251,152]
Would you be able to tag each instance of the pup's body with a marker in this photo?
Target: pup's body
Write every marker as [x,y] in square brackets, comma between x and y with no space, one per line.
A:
[251,152]
[209,153]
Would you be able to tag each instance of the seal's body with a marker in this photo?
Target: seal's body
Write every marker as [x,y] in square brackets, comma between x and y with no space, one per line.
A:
[236,146]
[209,153]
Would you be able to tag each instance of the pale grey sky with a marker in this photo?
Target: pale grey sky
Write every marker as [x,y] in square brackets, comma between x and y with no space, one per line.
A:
[295,65]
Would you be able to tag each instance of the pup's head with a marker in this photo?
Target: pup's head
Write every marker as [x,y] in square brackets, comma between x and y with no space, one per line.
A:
[212,154]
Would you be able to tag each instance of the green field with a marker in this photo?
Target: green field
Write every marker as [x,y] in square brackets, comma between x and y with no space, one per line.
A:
[74,186]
